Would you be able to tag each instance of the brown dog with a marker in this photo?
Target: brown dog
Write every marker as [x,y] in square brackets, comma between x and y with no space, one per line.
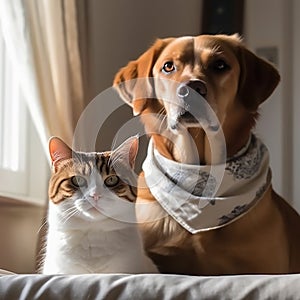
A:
[265,238]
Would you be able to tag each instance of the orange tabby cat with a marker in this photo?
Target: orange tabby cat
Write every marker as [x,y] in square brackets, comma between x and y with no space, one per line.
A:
[92,226]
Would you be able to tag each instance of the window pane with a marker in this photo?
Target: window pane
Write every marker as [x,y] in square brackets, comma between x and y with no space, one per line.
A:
[24,170]
[12,117]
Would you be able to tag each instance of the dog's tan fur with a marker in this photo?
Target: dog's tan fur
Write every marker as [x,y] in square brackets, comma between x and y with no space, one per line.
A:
[267,238]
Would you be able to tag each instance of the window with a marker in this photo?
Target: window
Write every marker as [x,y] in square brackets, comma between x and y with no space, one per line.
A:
[19,173]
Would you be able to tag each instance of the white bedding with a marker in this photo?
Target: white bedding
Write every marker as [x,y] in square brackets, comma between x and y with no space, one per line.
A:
[151,286]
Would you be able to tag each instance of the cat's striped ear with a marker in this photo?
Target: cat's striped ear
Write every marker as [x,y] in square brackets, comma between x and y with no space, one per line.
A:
[58,151]
[127,151]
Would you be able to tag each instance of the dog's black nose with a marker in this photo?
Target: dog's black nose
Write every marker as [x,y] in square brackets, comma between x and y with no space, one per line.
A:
[199,86]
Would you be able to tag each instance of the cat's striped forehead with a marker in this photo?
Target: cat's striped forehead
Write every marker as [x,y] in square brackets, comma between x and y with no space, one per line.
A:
[85,163]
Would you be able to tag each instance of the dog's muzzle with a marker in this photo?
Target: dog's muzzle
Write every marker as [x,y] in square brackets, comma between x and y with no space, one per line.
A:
[189,93]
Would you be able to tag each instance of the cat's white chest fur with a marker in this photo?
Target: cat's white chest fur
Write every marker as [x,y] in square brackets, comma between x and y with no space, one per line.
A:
[106,246]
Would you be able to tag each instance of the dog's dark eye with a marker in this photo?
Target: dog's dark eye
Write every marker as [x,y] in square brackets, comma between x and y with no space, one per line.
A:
[220,65]
[168,67]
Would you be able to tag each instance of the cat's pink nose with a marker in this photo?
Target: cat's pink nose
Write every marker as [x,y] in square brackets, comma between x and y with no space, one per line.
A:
[95,196]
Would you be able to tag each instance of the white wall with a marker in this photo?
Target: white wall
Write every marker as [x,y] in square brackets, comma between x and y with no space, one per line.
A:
[119,31]
[268,23]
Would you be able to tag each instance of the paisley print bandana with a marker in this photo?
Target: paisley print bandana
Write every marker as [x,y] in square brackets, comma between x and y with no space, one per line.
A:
[195,199]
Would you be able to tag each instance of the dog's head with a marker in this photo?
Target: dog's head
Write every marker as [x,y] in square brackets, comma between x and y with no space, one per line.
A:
[231,79]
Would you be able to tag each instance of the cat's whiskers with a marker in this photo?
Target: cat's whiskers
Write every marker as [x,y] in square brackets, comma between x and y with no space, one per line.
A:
[70,209]
[42,225]
[71,212]
[71,215]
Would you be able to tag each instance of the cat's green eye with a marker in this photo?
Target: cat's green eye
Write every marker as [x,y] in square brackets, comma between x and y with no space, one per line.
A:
[111,181]
[78,181]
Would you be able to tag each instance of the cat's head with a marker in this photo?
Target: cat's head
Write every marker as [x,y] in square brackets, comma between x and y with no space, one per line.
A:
[83,183]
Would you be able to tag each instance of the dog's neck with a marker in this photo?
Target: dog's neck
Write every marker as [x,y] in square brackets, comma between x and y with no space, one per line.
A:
[180,147]
[194,146]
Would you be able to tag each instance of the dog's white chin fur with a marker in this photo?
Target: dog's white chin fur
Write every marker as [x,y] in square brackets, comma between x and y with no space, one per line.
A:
[185,150]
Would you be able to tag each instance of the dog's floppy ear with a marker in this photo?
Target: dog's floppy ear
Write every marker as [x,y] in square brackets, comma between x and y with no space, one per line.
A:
[134,81]
[258,79]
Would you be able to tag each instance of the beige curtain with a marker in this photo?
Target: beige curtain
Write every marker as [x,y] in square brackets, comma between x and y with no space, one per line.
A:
[42,38]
